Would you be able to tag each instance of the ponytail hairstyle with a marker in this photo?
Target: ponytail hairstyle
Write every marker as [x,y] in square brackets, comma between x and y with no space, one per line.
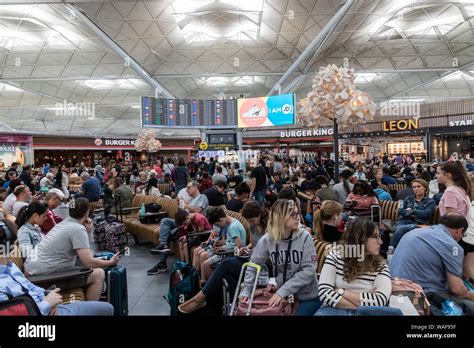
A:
[28,211]
[327,210]
[458,175]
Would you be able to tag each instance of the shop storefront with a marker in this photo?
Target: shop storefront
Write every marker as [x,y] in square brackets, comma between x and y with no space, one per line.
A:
[92,151]
[441,130]
[15,148]
[291,142]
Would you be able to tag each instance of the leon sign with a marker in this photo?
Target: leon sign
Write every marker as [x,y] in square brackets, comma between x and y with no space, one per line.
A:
[400,125]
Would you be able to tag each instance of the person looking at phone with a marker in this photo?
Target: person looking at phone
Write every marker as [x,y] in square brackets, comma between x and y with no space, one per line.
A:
[67,241]
[235,236]
[256,218]
[13,283]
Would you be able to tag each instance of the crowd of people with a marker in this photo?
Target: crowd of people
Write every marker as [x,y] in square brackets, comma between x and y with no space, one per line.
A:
[285,206]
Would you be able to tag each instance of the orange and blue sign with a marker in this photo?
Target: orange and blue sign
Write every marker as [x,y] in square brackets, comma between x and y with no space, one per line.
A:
[278,110]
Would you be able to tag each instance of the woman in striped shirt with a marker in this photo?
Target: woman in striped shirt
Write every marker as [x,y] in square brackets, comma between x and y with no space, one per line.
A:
[355,279]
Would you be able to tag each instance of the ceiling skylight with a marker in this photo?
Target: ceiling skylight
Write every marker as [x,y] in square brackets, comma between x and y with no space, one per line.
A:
[23,26]
[111,84]
[419,21]
[218,20]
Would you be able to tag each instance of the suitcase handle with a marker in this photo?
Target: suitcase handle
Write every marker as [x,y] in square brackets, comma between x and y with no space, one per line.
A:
[246,265]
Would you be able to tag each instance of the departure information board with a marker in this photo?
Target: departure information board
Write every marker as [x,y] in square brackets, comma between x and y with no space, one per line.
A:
[161,112]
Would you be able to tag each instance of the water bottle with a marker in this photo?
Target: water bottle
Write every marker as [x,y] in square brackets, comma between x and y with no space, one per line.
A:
[390,253]
[450,308]
[142,210]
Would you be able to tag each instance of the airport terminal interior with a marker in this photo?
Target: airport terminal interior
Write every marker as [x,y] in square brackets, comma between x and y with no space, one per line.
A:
[237,157]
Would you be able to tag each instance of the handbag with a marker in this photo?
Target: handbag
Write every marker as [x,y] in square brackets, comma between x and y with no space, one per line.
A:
[260,305]
[259,299]
[405,287]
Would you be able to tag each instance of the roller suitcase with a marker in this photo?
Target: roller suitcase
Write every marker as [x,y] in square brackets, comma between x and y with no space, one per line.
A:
[116,292]
[115,237]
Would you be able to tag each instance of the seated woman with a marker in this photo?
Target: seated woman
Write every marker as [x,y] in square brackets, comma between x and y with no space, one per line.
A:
[152,188]
[29,220]
[326,221]
[358,283]
[417,210]
[362,198]
[189,223]
[293,275]
[256,218]
[242,192]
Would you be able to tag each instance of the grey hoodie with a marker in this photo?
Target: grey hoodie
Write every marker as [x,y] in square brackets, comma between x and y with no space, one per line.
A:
[301,270]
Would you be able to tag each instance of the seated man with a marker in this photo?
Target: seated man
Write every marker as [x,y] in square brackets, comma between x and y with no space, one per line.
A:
[90,188]
[242,192]
[23,196]
[53,199]
[431,257]
[13,283]
[64,243]
[215,195]
[169,227]
[235,236]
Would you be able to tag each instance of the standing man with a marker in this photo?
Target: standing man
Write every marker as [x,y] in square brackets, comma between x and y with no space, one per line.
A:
[192,168]
[25,176]
[259,183]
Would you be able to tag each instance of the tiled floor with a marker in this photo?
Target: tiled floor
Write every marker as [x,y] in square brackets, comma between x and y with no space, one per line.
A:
[146,292]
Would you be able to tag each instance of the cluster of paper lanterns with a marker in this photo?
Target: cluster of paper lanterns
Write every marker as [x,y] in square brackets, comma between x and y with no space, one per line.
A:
[334,95]
[147,141]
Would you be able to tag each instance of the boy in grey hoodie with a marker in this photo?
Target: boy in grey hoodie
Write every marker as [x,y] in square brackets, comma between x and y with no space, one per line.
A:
[300,279]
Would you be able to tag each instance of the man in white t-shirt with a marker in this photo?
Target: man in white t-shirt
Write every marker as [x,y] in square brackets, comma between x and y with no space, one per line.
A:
[23,196]
[67,241]
[11,198]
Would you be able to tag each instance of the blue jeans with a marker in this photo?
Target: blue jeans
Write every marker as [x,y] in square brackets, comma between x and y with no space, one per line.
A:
[228,269]
[168,230]
[361,311]
[85,308]
[260,197]
[401,229]
[308,308]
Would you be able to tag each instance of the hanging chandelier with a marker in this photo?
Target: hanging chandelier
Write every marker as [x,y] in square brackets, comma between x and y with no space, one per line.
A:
[147,141]
[334,97]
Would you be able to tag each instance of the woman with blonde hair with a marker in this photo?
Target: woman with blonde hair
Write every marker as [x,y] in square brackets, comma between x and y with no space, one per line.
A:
[326,221]
[417,210]
[356,283]
[291,252]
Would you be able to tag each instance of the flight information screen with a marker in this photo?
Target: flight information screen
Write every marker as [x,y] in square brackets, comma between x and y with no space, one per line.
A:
[161,112]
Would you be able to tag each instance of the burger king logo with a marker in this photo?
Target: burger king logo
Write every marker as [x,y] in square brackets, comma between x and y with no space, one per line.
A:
[98,142]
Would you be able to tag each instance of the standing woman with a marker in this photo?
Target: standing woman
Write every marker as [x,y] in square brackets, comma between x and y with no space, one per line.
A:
[457,198]
[62,180]
[182,175]
[294,275]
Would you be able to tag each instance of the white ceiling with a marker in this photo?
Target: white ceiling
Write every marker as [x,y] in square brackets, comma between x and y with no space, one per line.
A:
[208,49]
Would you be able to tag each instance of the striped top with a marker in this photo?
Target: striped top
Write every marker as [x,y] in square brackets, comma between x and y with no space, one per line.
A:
[374,287]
